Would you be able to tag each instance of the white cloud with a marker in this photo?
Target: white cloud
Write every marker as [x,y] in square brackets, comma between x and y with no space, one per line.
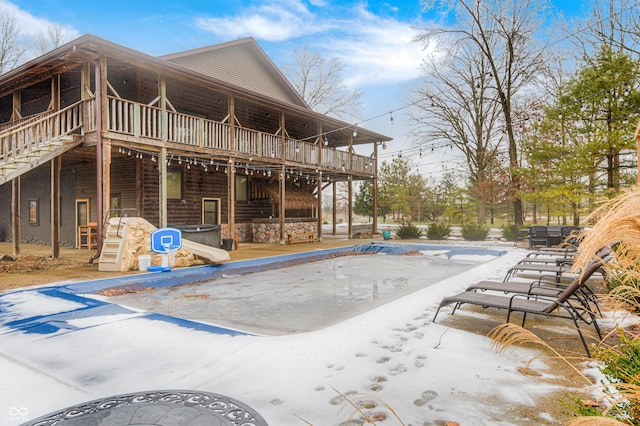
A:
[278,21]
[374,49]
[30,26]
[379,51]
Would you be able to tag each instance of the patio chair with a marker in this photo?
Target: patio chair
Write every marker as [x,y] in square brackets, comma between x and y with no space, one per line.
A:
[559,268]
[553,259]
[567,303]
[545,287]
[553,251]
[543,268]
[570,235]
[538,235]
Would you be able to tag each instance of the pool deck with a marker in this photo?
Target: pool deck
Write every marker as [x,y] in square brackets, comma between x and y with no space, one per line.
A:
[71,312]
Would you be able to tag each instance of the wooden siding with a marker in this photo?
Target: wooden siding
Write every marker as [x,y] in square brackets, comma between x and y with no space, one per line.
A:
[124,182]
[240,66]
[188,211]
[86,186]
[36,98]
[199,184]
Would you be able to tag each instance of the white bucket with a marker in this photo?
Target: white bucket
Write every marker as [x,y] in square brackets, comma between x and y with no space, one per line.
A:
[144,261]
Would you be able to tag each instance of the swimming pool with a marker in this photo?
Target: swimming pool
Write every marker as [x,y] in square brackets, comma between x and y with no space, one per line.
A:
[294,295]
[274,295]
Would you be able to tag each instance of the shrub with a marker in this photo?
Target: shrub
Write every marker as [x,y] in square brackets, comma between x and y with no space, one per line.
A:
[620,365]
[509,232]
[474,232]
[438,231]
[408,231]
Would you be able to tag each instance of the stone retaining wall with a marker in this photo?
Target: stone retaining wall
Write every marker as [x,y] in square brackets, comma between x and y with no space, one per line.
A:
[269,232]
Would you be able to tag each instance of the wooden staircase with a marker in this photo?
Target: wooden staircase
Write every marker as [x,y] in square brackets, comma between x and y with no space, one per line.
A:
[23,163]
[31,143]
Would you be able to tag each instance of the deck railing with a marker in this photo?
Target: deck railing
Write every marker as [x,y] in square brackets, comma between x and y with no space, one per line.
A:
[17,143]
[147,122]
[136,119]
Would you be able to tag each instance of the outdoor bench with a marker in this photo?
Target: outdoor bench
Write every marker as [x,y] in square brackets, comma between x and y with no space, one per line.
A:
[300,238]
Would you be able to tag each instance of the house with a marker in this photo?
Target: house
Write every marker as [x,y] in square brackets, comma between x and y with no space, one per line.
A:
[94,130]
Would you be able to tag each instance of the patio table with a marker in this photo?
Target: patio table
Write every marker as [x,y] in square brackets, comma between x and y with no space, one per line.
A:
[166,408]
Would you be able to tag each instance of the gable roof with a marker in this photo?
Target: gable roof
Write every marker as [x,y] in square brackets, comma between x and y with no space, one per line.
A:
[89,47]
[242,63]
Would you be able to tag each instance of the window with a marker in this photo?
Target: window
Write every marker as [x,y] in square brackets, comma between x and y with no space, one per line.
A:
[34,212]
[174,184]
[211,211]
[242,183]
[114,206]
[83,215]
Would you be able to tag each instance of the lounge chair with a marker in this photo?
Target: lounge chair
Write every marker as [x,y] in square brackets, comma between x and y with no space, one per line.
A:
[559,268]
[550,260]
[555,251]
[567,303]
[544,286]
[544,268]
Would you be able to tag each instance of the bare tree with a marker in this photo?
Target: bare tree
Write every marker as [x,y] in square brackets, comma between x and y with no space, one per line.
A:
[319,81]
[11,50]
[612,23]
[453,109]
[53,37]
[504,32]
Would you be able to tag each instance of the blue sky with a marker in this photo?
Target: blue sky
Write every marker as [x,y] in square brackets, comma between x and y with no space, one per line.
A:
[372,38]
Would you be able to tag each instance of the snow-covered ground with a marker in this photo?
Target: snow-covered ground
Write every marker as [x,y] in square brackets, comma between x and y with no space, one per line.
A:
[393,354]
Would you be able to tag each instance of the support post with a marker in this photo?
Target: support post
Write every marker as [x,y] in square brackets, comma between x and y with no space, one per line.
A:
[281,203]
[162,191]
[164,213]
[350,207]
[101,120]
[15,216]
[55,207]
[335,206]
[231,197]
[231,176]
[283,181]
[374,176]
[319,183]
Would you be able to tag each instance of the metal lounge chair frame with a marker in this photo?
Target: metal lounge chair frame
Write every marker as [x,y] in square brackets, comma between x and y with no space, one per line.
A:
[568,303]
[559,268]
[544,286]
[538,267]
